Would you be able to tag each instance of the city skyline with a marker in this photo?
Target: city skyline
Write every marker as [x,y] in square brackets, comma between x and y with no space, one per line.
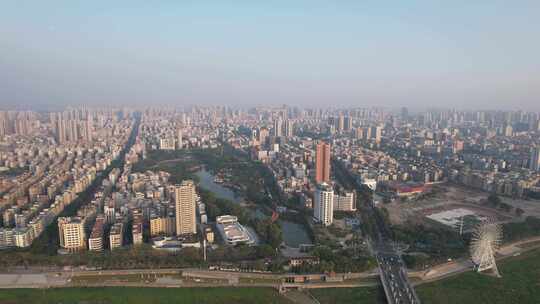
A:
[270,152]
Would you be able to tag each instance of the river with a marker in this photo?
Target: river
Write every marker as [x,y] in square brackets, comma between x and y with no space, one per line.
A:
[293,234]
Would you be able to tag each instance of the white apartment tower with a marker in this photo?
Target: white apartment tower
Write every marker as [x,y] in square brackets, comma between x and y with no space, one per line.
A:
[324,204]
[71,233]
[185,197]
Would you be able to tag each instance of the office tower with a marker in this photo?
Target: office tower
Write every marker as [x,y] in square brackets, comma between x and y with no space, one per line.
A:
[289,128]
[71,233]
[185,208]
[322,163]
[324,204]
[278,127]
[535,159]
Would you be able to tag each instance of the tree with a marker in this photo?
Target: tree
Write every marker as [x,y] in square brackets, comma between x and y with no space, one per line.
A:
[519,212]
[265,251]
[505,207]
[494,199]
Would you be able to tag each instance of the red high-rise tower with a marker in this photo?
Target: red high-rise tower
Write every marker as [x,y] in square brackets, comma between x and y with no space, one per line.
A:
[322,164]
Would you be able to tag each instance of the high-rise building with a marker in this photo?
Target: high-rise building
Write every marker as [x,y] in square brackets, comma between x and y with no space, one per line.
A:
[359,133]
[507,130]
[324,204]
[162,226]
[289,128]
[376,133]
[71,233]
[95,241]
[345,201]
[137,233]
[341,123]
[185,208]
[322,163]
[263,134]
[116,236]
[167,144]
[278,127]
[404,114]
[3,123]
[110,214]
[535,159]
[347,123]
[60,128]
[179,142]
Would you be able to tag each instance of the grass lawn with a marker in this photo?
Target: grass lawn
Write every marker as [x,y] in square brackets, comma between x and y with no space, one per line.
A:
[364,295]
[520,283]
[129,295]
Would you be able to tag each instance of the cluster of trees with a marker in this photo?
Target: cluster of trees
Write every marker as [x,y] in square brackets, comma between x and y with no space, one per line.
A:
[496,202]
[269,232]
[217,206]
[179,170]
[241,253]
[437,243]
[124,258]
[516,231]
[346,260]
[416,261]
[532,194]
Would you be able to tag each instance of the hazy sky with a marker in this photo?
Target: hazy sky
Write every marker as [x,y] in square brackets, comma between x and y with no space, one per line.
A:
[452,53]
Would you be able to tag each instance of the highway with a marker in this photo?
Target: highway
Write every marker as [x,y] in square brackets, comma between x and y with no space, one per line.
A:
[393,274]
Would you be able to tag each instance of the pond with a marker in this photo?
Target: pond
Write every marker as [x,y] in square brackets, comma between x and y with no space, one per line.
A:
[207,182]
[293,234]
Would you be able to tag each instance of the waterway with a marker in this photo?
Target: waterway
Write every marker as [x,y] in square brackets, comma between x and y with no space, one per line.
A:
[293,234]
[207,182]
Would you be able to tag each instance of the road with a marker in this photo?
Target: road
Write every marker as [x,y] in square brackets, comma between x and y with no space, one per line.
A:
[393,274]
[392,270]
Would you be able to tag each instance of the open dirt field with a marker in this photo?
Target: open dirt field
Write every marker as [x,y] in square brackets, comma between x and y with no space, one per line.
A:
[448,197]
